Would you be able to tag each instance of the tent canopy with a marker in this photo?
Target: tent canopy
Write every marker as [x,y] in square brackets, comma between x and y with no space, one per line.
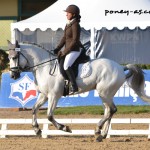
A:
[127,43]
[94,14]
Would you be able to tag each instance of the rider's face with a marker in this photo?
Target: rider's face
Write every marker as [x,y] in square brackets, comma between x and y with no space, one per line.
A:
[69,15]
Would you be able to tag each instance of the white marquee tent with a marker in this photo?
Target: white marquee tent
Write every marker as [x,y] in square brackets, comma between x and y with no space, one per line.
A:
[95,15]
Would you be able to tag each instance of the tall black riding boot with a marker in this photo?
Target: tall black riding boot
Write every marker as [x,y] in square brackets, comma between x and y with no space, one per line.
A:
[72,79]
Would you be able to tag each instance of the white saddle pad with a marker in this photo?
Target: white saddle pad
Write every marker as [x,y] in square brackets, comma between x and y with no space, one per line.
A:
[85,70]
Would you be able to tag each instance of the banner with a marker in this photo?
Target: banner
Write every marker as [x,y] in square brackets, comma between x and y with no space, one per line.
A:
[123,46]
[22,93]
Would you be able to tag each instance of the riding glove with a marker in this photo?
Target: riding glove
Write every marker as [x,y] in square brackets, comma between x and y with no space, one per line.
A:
[56,50]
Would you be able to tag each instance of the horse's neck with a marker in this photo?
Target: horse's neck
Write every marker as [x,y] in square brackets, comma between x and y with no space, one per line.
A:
[35,55]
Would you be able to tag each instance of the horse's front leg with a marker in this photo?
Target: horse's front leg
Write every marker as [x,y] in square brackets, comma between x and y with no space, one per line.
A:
[52,102]
[41,100]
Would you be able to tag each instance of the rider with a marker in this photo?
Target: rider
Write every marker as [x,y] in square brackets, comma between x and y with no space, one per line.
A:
[71,41]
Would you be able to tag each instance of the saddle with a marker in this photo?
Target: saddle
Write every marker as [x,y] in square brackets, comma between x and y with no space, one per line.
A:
[83,58]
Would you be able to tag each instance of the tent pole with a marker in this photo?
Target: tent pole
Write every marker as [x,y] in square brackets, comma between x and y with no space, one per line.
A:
[92,55]
[12,35]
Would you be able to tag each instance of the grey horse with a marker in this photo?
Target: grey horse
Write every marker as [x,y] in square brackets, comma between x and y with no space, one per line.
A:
[106,77]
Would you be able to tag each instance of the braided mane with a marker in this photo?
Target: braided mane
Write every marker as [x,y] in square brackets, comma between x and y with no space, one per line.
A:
[35,44]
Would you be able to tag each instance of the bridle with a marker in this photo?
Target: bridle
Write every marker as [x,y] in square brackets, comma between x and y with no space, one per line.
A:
[18,68]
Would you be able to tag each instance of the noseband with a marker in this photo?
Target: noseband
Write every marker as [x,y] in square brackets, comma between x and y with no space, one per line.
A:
[17,54]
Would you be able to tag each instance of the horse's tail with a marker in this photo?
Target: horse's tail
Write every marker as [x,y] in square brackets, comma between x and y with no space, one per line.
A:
[135,79]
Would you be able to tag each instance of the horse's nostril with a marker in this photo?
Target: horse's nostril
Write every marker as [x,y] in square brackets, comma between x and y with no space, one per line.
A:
[12,76]
[15,75]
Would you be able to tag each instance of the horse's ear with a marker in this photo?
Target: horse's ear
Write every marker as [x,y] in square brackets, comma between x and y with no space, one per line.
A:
[17,44]
[10,45]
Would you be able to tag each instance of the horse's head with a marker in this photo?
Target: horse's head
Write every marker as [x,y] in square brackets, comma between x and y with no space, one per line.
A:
[17,63]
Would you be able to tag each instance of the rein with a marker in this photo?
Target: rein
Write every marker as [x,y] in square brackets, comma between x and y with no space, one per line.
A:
[27,68]
[40,64]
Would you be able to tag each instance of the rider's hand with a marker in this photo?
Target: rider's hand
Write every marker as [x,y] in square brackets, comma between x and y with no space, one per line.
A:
[56,50]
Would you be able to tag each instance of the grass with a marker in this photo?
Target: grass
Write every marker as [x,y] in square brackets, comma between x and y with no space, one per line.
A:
[98,110]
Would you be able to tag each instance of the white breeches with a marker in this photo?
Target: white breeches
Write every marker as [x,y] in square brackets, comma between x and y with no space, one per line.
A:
[70,59]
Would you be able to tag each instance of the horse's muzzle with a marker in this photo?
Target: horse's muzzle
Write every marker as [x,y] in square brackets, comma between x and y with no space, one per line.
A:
[14,75]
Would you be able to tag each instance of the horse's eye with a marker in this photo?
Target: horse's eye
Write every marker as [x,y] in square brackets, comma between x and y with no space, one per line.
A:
[15,57]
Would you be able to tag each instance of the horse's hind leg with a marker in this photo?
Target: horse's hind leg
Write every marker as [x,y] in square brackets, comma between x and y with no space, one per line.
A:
[41,100]
[52,102]
[104,123]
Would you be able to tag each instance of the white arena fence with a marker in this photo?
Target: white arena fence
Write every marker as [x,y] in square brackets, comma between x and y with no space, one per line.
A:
[45,131]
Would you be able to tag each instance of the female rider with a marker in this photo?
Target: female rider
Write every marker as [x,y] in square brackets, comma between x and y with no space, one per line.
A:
[71,41]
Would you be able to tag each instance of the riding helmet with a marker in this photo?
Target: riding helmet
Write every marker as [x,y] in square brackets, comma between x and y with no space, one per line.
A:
[73,9]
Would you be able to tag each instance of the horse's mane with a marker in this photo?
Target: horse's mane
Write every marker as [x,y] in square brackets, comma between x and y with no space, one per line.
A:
[35,44]
[39,46]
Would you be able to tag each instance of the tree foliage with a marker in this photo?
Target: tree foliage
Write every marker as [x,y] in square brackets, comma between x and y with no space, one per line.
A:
[3,60]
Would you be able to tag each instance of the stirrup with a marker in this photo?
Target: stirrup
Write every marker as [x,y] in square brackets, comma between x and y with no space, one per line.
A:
[73,91]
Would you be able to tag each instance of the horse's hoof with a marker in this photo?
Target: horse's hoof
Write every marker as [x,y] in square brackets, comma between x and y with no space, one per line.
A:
[99,138]
[38,132]
[67,129]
